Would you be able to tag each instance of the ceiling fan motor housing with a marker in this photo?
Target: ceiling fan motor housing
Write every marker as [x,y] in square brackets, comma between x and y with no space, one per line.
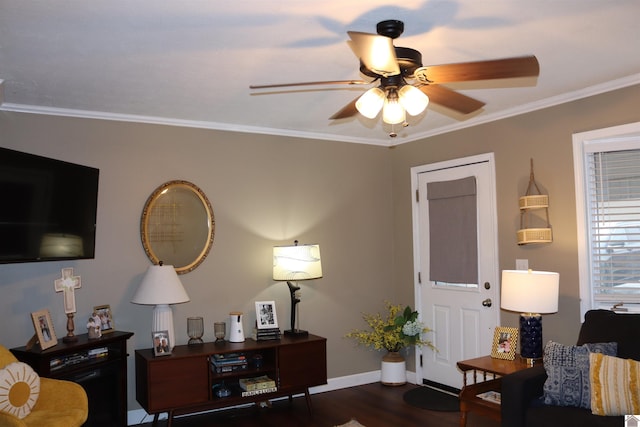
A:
[409,60]
[391,28]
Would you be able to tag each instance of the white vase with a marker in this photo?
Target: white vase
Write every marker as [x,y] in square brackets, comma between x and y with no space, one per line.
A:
[393,369]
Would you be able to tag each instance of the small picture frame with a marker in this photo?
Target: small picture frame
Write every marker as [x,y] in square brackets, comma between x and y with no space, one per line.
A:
[266,317]
[505,341]
[44,329]
[107,324]
[161,344]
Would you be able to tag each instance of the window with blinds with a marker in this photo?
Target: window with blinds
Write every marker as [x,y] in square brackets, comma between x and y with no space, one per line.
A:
[607,173]
[613,200]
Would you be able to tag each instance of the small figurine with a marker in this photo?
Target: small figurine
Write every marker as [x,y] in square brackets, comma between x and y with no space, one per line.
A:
[94,327]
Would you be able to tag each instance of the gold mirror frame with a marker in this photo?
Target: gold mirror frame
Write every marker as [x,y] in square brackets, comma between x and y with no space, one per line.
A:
[177,226]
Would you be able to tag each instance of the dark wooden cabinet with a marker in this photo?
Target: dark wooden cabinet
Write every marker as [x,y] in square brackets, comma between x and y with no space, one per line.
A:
[184,381]
[99,366]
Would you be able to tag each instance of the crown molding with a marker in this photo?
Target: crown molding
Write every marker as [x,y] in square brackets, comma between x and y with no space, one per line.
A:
[522,109]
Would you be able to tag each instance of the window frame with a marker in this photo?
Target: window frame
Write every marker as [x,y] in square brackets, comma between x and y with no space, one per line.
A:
[623,137]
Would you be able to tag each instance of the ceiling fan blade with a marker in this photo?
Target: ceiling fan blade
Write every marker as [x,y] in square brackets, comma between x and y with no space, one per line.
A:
[328,82]
[346,111]
[376,52]
[451,99]
[524,66]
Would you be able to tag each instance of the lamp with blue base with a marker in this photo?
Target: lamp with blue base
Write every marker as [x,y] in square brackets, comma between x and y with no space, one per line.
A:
[532,293]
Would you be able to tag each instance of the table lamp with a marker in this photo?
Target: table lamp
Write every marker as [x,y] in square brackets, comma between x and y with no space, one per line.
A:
[293,264]
[161,286]
[531,293]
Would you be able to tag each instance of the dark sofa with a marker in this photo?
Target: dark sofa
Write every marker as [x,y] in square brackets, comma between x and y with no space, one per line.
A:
[522,391]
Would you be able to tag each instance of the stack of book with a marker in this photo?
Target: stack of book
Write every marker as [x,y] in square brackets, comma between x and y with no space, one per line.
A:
[73,359]
[257,385]
[266,334]
[230,362]
[96,353]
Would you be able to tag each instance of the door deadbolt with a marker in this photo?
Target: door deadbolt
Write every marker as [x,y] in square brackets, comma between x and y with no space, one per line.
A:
[487,285]
[487,302]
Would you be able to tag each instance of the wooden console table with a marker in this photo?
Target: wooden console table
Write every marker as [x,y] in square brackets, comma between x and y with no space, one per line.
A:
[490,370]
[183,381]
[98,365]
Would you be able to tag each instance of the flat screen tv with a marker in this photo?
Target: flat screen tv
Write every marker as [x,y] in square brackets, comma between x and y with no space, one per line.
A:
[48,208]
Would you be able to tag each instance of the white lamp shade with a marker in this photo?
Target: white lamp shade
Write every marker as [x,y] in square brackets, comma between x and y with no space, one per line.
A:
[160,285]
[392,112]
[295,263]
[528,291]
[370,103]
[413,99]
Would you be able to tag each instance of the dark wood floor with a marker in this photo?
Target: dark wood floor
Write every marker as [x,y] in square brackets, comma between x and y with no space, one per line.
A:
[373,405]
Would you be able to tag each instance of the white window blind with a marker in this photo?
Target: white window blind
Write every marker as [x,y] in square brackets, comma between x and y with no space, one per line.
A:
[607,174]
[614,205]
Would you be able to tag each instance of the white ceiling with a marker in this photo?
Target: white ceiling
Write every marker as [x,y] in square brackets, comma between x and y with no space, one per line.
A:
[191,62]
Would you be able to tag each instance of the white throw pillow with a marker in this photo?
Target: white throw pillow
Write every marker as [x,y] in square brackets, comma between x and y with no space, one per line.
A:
[19,389]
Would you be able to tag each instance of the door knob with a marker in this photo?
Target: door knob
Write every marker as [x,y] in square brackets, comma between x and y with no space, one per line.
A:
[487,302]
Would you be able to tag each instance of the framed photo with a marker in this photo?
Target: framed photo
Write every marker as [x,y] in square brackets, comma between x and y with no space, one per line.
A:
[106,318]
[44,329]
[266,314]
[161,344]
[505,341]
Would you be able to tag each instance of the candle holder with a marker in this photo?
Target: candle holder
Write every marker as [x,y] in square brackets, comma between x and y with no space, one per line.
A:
[219,330]
[195,330]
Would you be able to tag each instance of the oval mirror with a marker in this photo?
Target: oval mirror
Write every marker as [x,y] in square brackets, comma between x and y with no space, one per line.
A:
[177,226]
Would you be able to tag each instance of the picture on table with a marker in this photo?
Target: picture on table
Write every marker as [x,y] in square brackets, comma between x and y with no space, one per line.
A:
[505,341]
[43,326]
[161,344]
[266,317]
[106,318]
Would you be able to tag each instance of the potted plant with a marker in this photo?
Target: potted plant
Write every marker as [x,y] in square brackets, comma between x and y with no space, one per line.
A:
[397,330]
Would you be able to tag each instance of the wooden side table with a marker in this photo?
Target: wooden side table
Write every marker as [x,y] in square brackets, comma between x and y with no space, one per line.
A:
[490,371]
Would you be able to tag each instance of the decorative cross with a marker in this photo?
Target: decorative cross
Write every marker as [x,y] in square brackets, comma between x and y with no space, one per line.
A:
[67,284]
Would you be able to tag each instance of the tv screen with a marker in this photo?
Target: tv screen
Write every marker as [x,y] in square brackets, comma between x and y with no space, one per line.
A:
[48,209]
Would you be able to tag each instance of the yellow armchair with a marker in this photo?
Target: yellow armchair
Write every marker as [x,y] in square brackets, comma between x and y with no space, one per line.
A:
[60,403]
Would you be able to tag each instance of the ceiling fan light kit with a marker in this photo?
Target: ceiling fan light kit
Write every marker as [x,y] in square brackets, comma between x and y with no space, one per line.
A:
[406,86]
[413,100]
[392,112]
[371,102]
[393,103]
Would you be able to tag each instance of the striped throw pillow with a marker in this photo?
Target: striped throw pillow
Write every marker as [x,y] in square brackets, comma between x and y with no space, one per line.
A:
[615,385]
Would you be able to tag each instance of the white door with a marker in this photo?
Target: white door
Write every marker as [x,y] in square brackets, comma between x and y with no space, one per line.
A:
[463,317]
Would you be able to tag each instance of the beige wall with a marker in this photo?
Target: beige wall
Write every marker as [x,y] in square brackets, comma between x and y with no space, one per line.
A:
[265,191]
[354,200]
[545,136]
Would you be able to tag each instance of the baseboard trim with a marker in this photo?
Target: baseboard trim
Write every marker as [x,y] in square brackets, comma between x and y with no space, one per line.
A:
[139,416]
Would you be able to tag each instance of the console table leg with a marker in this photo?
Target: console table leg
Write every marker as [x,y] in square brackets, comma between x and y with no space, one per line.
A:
[169,418]
[308,397]
[155,420]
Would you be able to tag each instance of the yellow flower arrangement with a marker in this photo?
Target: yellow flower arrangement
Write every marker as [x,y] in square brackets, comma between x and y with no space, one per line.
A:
[399,329]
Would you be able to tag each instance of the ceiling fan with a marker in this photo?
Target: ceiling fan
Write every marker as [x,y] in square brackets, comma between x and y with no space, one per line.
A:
[405,85]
